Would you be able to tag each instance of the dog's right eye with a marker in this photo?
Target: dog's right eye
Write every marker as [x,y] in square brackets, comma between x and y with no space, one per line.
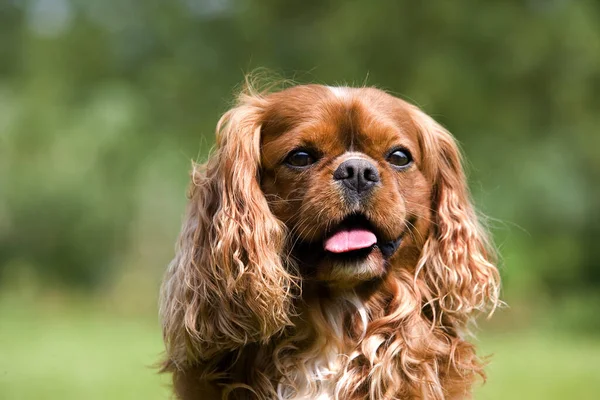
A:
[300,159]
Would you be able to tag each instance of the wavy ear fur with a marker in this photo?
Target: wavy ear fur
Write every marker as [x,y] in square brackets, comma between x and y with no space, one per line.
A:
[457,262]
[227,286]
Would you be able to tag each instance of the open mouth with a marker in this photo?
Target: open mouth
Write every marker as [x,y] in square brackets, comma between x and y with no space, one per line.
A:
[353,250]
[356,237]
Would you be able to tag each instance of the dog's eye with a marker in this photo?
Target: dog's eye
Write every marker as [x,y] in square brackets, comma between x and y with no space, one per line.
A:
[399,158]
[300,158]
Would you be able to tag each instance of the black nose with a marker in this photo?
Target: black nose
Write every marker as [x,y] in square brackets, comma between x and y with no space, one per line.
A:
[358,175]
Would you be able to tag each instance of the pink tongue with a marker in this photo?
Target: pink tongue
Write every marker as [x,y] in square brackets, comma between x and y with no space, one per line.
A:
[354,239]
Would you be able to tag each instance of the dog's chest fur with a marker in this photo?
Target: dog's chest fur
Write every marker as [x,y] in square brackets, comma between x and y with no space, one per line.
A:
[317,371]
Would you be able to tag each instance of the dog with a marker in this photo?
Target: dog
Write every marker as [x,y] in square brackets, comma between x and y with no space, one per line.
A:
[330,250]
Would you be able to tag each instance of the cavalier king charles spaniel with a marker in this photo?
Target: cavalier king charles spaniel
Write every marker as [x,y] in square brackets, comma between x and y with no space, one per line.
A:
[329,251]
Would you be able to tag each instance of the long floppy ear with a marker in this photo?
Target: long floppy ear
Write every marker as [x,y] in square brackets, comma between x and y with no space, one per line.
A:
[458,259]
[227,286]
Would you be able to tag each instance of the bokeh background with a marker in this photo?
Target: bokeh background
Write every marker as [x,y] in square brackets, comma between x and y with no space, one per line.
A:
[103,104]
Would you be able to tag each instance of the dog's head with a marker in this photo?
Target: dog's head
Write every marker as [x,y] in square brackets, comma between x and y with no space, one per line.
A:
[338,187]
[346,171]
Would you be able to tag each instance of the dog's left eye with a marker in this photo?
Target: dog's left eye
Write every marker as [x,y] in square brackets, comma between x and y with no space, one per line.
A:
[399,158]
[300,158]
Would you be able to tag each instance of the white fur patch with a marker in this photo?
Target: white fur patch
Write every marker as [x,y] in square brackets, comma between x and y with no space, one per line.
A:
[339,91]
[323,364]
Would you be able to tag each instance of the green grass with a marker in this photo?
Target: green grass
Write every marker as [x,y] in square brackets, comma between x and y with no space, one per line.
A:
[541,365]
[83,353]
[80,354]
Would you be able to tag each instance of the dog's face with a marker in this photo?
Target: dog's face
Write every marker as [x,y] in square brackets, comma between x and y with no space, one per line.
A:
[342,169]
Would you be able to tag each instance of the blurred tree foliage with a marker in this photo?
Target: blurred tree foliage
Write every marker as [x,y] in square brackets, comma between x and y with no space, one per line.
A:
[103,104]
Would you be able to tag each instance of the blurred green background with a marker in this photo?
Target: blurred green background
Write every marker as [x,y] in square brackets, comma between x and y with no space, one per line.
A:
[104,103]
